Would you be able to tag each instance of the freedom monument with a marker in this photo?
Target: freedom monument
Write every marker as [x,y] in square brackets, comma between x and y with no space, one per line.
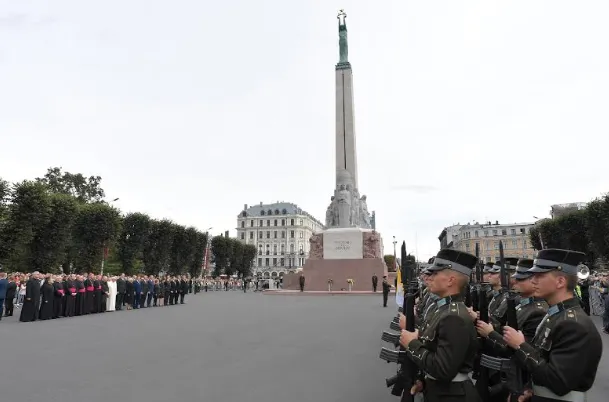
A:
[349,247]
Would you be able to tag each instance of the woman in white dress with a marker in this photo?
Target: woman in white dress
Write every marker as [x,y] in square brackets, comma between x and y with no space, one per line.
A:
[111,303]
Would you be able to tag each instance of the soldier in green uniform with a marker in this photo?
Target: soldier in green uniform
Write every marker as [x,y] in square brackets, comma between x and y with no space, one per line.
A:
[563,357]
[446,346]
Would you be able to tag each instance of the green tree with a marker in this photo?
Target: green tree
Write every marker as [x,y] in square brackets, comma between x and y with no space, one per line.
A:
[181,251]
[29,211]
[48,247]
[390,262]
[96,227]
[236,257]
[597,222]
[196,264]
[5,194]
[221,249]
[249,254]
[157,250]
[80,187]
[132,240]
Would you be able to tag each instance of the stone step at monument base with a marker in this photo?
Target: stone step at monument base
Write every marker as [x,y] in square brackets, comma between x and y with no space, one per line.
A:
[322,293]
[317,273]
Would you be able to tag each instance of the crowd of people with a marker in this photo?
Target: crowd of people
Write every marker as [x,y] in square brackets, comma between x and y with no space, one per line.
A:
[44,297]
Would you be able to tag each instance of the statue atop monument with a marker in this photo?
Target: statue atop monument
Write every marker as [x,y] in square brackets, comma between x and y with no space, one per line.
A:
[342,38]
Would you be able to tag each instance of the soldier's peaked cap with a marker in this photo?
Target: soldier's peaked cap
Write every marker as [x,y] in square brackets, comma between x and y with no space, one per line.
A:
[566,261]
[522,269]
[455,260]
[488,267]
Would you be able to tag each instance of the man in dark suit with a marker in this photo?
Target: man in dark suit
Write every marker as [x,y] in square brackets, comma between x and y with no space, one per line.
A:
[3,287]
[301,281]
[386,289]
[144,296]
[150,291]
[121,289]
[137,287]
[375,282]
[11,290]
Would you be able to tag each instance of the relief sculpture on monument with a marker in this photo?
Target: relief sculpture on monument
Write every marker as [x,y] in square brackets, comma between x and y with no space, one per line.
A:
[372,245]
[316,251]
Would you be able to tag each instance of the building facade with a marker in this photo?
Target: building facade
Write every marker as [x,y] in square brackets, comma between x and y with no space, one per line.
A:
[280,232]
[515,238]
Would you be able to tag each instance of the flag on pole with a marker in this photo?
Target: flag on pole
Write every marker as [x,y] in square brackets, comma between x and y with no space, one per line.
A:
[399,287]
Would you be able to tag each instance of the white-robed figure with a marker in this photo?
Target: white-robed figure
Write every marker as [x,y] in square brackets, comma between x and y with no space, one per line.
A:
[111,302]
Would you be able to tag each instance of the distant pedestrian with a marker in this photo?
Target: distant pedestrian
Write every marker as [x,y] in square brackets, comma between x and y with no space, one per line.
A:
[375,281]
[302,282]
[386,288]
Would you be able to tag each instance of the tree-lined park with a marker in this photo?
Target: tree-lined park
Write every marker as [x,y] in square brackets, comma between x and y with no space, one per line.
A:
[61,222]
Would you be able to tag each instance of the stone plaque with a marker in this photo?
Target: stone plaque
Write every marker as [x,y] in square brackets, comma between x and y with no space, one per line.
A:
[343,244]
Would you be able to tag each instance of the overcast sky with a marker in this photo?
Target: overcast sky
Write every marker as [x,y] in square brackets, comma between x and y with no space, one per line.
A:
[473,110]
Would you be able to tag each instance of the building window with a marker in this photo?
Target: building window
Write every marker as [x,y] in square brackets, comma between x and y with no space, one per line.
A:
[261,223]
[522,230]
[268,234]
[291,222]
[282,262]
[268,222]
[291,248]
[274,262]
[282,249]
[283,222]
[514,243]
[282,234]
[260,249]
[301,250]
[270,212]
[242,235]
[274,234]
[475,233]
[467,247]
[252,223]
[275,222]
[251,235]
[513,231]
[260,234]
[276,212]
[301,235]
[274,249]
[266,261]
[242,224]
[503,232]
[284,211]
[268,249]
[301,222]
[259,262]
[496,245]
[291,234]
[262,212]
[494,232]
[486,233]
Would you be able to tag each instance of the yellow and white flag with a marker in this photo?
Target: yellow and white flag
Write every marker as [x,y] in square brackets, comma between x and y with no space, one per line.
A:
[399,287]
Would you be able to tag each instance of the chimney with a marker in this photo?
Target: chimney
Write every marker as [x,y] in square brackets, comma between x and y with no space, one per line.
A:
[496,222]
[260,203]
[226,234]
[244,207]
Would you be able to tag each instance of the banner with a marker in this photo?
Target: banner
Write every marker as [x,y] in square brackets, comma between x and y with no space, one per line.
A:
[399,288]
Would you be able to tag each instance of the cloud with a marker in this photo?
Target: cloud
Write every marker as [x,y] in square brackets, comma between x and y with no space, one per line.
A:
[415,188]
[13,20]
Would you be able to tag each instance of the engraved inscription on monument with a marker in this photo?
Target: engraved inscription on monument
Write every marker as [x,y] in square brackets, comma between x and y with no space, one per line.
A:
[343,244]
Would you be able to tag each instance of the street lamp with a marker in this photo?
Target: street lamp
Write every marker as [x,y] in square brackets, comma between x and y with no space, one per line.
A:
[105,249]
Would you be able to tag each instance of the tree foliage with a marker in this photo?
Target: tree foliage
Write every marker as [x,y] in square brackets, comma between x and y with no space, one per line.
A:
[132,240]
[390,262]
[95,228]
[221,249]
[78,186]
[585,230]
[60,221]
[249,254]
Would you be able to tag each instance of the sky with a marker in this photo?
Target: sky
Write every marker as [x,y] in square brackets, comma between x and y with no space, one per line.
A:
[189,109]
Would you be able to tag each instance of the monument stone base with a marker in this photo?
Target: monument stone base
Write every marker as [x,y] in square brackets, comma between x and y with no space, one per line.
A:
[341,254]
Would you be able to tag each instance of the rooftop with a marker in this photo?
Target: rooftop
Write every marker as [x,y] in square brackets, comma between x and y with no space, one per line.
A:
[276,209]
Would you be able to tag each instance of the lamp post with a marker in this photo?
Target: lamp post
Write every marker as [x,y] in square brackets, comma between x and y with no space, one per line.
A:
[395,261]
[539,233]
[207,250]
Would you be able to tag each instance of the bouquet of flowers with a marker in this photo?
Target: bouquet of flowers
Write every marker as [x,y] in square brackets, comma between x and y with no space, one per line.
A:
[350,282]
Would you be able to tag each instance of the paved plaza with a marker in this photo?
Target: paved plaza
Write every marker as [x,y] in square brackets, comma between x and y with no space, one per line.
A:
[220,347]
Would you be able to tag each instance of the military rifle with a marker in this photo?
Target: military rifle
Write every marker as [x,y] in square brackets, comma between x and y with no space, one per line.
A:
[406,375]
[482,373]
